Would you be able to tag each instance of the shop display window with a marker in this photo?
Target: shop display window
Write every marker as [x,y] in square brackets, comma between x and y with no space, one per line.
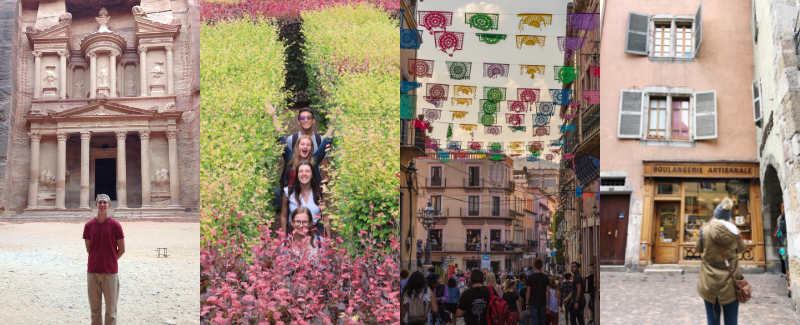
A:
[668,189]
[701,198]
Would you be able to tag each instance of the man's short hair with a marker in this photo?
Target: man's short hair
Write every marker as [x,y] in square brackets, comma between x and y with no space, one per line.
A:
[102,197]
[305,109]
[568,276]
[404,274]
[476,276]
[578,265]
[538,263]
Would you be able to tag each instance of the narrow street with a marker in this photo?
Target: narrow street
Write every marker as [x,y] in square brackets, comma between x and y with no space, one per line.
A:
[636,298]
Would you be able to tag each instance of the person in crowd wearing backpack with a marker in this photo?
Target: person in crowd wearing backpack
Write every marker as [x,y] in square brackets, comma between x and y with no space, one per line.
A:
[537,293]
[565,287]
[552,303]
[525,313]
[491,281]
[417,301]
[511,296]
[403,278]
[438,317]
[576,301]
[474,302]
[453,296]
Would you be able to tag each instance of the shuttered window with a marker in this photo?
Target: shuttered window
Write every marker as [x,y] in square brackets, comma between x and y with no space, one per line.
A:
[637,33]
[698,29]
[757,113]
[630,114]
[705,115]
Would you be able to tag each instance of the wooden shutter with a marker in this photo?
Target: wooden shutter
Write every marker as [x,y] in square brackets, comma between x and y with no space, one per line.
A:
[637,34]
[755,18]
[705,115]
[630,114]
[698,29]
[757,112]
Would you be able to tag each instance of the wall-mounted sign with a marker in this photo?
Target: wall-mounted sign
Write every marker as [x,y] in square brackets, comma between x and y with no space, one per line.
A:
[621,215]
[701,169]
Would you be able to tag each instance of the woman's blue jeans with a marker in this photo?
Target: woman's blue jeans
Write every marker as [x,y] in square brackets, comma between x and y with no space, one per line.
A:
[730,311]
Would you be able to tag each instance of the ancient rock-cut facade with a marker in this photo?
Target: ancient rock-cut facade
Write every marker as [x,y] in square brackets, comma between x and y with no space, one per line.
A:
[106,102]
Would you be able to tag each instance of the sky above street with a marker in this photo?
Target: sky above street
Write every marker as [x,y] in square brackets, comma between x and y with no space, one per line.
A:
[505,52]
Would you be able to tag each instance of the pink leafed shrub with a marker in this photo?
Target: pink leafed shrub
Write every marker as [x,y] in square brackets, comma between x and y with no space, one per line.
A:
[282,284]
[214,11]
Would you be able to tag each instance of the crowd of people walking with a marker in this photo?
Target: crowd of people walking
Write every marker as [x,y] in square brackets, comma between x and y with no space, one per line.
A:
[528,297]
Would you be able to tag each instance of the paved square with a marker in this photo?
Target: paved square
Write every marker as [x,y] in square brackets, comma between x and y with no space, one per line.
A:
[635,298]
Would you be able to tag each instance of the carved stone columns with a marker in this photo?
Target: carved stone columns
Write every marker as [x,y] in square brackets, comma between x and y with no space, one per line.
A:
[37,74]
[112,74]
[143,69]
[62,78]
[146,197]
[170,80]
[122,198]
[174,189]
[85,138]
[92,74]
[61,169]
[33,183]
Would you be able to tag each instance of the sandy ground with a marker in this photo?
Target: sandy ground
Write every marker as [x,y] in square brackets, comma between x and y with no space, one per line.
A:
[43,274]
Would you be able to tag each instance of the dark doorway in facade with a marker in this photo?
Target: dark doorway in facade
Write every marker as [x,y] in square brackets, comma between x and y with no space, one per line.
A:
[772,200]
[613,234]
[105,177]
[495,266]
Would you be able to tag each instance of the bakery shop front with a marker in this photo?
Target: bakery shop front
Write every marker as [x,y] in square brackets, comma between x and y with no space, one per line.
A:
[680,198]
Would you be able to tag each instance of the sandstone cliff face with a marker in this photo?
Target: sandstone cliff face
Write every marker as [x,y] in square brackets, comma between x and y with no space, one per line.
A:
[17,87]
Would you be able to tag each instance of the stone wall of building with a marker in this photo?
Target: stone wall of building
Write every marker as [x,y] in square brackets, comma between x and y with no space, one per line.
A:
[776,63]
[14,172]
[8,102]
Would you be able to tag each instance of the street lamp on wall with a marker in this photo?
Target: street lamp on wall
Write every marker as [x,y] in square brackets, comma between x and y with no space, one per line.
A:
[428,223]
[411,173]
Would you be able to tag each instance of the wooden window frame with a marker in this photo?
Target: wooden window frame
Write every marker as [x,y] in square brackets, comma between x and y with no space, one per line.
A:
[656,32]
[650,111]
[470,203]
[681,26]
[688,116]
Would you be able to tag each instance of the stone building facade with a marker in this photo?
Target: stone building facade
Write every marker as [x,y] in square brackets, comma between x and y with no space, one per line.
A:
[104,99]
[776,115]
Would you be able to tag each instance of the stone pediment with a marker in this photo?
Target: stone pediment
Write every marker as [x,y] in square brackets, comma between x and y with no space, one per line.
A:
[60,33]
[145,28]
[103,108]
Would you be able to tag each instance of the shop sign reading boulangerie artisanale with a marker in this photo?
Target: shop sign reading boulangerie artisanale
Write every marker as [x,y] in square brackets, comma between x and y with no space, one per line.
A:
[701,170]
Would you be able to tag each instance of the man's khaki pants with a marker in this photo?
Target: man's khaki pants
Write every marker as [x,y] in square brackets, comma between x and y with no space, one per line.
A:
[105,285]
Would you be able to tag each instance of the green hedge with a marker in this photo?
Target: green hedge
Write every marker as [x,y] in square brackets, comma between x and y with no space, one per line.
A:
[353,70]
[242,66]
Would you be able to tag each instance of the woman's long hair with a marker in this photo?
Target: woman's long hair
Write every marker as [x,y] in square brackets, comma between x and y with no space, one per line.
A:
[306,211]
[296,187]
[296,151]
[416,285]
[511,285]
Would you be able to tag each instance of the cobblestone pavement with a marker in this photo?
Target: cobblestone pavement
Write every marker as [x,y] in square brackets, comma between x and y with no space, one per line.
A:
[635,298]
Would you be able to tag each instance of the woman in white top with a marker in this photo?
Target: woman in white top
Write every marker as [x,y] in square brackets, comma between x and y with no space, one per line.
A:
[304,192]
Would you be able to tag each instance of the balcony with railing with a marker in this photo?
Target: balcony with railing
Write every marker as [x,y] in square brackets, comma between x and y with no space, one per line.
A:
[590,123]
[473,247]
[411,137]
[481,212]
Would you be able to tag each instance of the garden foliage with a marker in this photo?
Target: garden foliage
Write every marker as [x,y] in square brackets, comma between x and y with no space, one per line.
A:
[281,284]
[243,66]
[352,64]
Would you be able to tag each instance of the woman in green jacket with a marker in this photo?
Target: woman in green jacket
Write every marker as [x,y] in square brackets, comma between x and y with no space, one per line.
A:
[715,284]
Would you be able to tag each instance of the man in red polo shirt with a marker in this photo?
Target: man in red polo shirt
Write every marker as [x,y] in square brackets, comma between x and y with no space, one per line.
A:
[105,245]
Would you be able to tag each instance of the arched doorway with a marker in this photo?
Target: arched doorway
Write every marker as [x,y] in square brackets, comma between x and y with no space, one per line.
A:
[772,200]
